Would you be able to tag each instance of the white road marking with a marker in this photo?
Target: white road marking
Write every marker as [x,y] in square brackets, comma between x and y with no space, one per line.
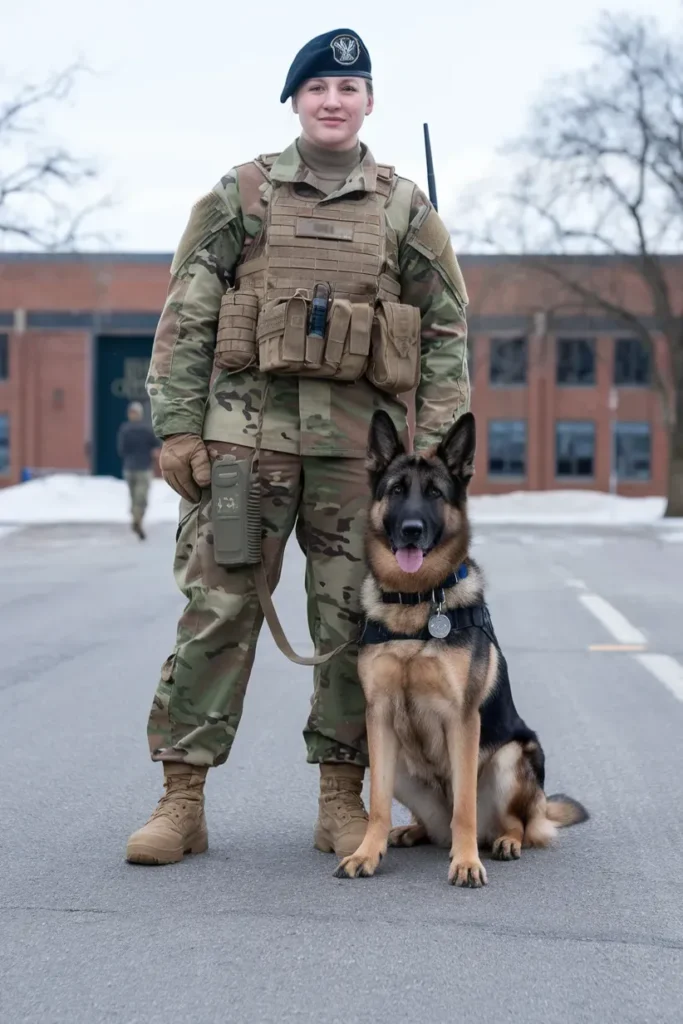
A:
[666,669]
[662,666]
[613,621]
[577,584]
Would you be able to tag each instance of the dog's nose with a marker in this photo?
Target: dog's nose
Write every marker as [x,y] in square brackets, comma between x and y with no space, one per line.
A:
[412,530]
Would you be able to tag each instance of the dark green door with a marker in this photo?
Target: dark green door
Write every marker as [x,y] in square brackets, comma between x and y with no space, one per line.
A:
[121,365]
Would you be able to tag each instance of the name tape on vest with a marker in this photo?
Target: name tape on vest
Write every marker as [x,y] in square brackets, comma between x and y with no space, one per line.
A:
[308,227]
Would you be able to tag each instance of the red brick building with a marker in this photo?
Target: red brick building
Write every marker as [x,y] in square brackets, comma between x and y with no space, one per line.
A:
[562,398]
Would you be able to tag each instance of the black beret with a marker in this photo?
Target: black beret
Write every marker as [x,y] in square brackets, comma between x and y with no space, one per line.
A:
[338,54]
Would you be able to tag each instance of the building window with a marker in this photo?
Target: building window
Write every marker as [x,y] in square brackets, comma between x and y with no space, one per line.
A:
[4,356]
[4,444]
[574,448]
[508,361]
[631,363]
[575,362]
[633,450]
[507,447]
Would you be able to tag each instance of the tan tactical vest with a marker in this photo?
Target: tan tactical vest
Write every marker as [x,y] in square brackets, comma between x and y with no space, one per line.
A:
[342,244]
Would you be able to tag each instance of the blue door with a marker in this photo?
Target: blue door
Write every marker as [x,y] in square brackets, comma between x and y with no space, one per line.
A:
[121,364]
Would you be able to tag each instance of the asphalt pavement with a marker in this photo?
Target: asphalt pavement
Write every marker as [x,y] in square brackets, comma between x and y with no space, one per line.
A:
[258,929]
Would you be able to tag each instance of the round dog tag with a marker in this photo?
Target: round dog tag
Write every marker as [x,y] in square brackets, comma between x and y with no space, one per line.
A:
[439,626]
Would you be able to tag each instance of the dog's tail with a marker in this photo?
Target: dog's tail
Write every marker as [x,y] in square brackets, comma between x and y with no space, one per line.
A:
[549,814]
[564,810]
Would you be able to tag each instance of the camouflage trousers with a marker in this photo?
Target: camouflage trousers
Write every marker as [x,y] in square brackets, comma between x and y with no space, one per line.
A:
[138,481]
[199,699]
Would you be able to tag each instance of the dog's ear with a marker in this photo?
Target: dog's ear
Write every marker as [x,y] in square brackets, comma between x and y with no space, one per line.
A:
[384,444]
[458,447]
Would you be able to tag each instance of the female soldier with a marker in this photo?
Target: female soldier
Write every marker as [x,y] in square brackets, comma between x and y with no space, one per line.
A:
[319,220]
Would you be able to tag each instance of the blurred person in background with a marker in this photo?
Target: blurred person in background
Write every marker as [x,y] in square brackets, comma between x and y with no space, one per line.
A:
[137,444]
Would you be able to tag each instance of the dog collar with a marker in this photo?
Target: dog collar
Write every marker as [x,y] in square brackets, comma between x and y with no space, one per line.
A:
[434,596]
[476,615]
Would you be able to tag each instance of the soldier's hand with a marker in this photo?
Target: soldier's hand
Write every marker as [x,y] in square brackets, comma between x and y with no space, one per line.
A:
[185,465]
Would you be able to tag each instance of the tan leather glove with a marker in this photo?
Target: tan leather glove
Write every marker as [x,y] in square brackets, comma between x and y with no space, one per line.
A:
[185,465]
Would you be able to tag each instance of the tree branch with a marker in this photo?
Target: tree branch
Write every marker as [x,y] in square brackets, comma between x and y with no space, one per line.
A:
[31,209]
[601,170]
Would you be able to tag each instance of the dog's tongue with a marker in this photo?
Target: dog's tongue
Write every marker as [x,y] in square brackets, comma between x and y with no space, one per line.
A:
[409,559]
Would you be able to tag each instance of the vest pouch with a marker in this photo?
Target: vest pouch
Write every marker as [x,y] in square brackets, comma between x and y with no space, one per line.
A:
[394,364]
[281,335]
[347,342]
[236,333]
[336,335]
[355,358]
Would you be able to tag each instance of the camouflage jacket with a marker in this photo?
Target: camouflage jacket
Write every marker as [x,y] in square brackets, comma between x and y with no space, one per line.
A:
[302,416]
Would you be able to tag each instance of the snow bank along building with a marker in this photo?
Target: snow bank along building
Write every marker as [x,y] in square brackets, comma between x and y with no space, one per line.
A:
[564,395]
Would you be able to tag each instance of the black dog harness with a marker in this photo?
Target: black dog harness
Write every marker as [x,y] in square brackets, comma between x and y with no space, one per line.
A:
[450,621]
[460,618]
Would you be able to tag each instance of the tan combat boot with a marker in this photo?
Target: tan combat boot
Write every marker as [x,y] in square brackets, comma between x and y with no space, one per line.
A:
[342,818]
[178,825]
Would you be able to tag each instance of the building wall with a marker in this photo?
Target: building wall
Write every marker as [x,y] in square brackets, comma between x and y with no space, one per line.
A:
[541,403]
[52,308]
[50,400]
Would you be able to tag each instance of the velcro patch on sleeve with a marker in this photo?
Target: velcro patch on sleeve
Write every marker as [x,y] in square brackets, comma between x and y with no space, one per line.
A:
[432,235]
[203,221]
[433,240]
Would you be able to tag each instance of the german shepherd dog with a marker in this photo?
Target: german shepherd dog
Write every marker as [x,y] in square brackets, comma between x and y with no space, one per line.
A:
[444,735]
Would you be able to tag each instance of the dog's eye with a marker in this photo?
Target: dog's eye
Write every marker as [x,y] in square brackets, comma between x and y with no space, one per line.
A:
[396,489]
[433,492]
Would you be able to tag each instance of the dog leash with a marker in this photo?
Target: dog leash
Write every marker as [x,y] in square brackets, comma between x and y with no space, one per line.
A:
[271,616]
[261,581]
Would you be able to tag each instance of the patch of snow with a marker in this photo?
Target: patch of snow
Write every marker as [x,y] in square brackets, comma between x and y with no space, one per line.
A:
[568,507]
[74,498]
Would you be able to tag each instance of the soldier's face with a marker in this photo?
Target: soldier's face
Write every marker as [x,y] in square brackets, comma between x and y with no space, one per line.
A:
[332,110]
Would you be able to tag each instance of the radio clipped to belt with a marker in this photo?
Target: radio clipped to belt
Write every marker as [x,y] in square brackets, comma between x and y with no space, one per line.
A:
[237,525]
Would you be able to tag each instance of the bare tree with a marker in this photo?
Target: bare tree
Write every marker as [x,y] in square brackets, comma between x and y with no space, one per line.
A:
[601,172]
[39,180]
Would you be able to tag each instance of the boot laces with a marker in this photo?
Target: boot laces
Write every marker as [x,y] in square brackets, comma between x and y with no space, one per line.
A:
[176,799]
[346,806]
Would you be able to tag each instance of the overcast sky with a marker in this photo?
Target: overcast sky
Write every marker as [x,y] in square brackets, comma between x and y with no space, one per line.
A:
[182,91]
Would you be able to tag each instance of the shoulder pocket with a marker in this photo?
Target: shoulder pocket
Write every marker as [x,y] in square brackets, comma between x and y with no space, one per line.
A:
[207,217]
[430,237]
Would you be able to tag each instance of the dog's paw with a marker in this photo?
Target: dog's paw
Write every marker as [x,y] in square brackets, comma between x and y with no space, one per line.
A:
[358,865]
[506,848]
[467,873]
[408,835]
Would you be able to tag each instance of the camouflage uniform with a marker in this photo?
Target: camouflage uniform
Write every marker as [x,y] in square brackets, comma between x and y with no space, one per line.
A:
[314,440]
[139,482]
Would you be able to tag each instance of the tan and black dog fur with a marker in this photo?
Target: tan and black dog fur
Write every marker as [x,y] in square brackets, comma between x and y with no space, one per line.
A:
[444,735]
